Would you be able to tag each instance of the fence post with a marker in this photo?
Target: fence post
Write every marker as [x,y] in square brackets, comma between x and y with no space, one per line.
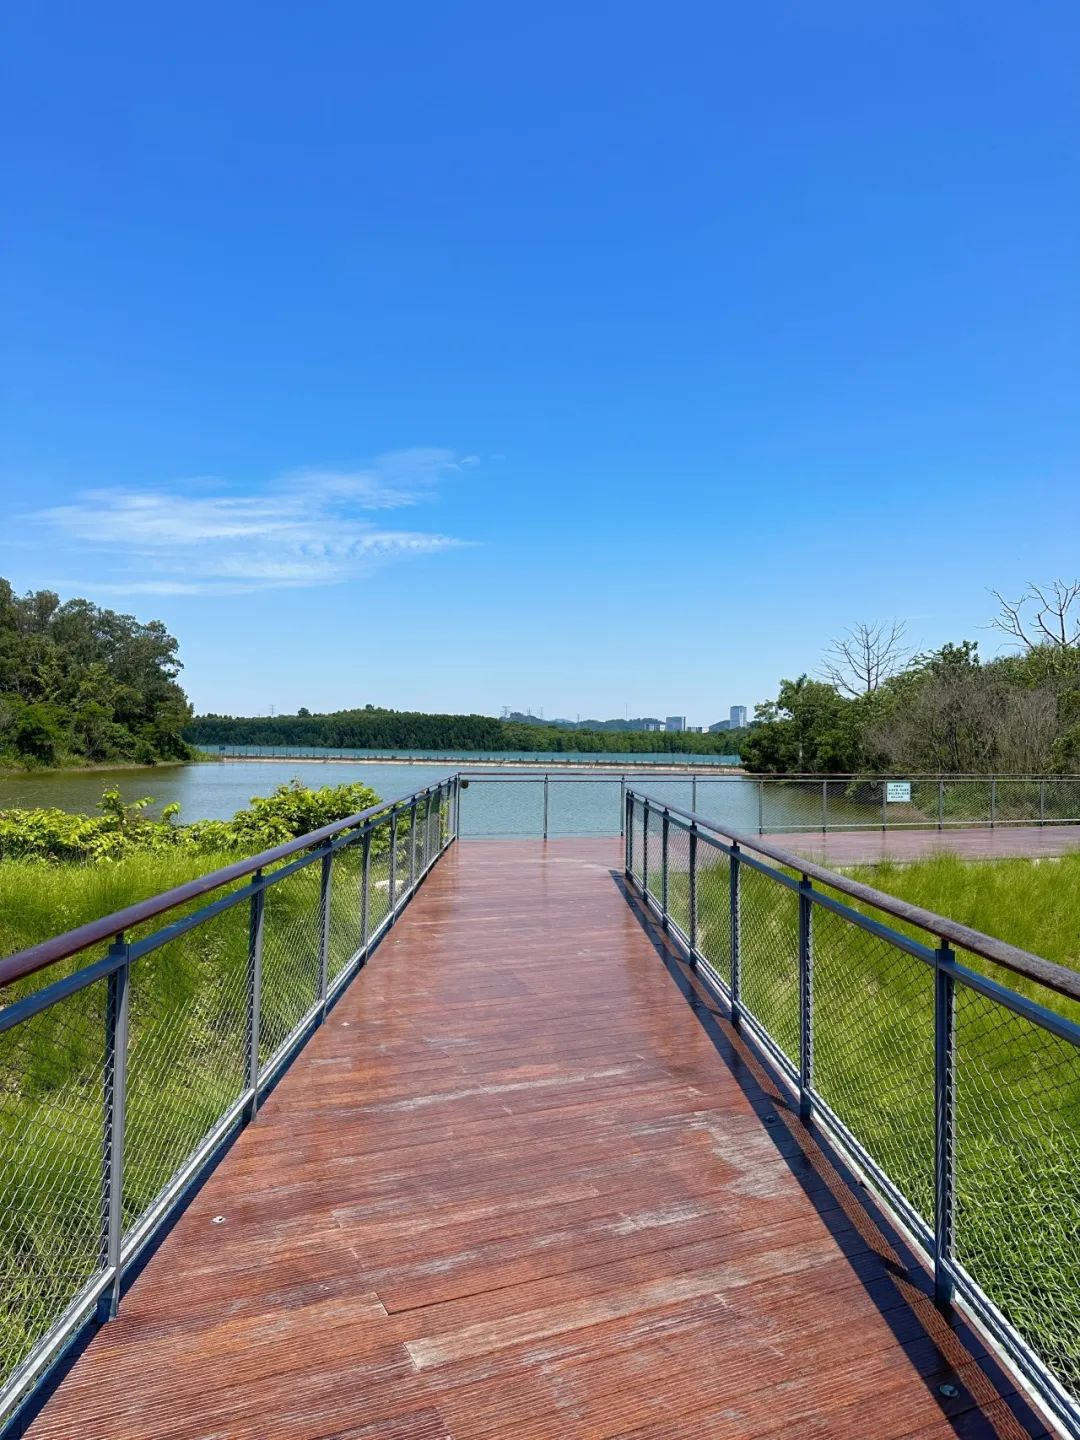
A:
[326,881]
[824,807]
[393,861]
[664,829]
[412,845]
[545,807]
[944,1121]
[736,937]
[806,997]
[761,807]
[256,911]
[365,887]
[693,793]
[628,832]
[993,801]
[941,804]
[645,850]
[884,803]
[693,894]
[622,809]
[1042,802]
[112,1152]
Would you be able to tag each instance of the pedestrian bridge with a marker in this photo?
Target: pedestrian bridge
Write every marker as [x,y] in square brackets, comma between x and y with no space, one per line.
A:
[534,1174]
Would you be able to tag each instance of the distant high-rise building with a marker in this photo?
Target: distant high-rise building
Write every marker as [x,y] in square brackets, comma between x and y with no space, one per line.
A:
[738,717]
[675,724]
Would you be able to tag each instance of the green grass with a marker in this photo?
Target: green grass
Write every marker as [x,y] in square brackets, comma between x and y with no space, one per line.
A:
[1017,1140]
[186,1059]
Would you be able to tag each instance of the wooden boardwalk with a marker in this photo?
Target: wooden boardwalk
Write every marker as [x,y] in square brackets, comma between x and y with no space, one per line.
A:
[527,1183]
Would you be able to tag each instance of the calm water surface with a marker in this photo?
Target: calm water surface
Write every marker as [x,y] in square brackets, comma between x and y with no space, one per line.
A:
[512,804]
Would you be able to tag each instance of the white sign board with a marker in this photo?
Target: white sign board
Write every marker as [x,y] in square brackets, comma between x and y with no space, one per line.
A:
[898,792]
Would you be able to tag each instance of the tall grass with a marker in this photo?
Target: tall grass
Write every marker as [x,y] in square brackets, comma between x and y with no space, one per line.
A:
[187,1054]
[1017,1134]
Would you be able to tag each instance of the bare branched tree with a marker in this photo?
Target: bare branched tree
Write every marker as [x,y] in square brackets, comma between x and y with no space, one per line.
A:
[865,656]
[1044,615]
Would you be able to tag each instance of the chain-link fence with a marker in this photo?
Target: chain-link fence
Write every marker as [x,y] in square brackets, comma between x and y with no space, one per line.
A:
[945,1063]
[128,1054]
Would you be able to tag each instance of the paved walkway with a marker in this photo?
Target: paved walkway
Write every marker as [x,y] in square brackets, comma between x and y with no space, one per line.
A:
[526,1184]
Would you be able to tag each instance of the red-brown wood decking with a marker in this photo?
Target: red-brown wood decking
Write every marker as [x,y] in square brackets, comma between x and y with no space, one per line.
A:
[519,1186]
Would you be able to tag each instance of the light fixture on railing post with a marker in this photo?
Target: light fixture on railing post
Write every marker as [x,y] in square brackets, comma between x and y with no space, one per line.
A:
[115,1099]
[806,998]
[944,1122]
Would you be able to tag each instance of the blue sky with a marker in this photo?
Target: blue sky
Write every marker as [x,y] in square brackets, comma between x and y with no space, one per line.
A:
[578,356]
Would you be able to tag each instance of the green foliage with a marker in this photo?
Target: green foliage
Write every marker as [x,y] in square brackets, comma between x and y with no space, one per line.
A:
[375,729]
[123,830]
[946,713]
[79,684]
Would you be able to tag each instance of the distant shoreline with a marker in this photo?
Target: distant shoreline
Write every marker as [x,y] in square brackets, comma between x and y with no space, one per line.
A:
[613,767]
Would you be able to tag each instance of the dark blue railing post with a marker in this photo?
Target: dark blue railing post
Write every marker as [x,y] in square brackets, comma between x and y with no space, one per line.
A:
[736,936]
[115,1103]
[944,1123]
[806,997]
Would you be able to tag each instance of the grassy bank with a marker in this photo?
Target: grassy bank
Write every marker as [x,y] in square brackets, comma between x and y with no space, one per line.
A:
[1017,1136]
[187,1050]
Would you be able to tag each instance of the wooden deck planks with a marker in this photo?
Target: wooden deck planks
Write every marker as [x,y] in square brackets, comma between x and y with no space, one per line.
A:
[515,1187]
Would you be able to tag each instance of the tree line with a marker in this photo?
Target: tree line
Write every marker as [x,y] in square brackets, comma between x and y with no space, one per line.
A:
[372,728]
[877,707]
[79,684]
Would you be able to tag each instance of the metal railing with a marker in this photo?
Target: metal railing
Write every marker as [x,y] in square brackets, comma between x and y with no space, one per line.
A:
[957,1095]
[547,804]
[122,1078]
[913,802]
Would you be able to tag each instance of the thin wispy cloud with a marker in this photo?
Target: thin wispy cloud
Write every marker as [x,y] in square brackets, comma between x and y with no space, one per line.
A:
[311,527]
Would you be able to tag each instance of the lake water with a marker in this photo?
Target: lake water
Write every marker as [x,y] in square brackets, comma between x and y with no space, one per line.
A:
[511,802]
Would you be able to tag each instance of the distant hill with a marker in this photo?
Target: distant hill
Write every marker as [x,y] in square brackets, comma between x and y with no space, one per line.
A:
[372,728]
[642,722]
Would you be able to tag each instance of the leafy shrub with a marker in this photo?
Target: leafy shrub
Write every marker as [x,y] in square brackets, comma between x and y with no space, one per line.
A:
[124,829]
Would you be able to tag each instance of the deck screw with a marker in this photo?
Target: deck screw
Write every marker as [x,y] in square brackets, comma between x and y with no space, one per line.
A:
[770,1119]
[218,1220]
[949,1391]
